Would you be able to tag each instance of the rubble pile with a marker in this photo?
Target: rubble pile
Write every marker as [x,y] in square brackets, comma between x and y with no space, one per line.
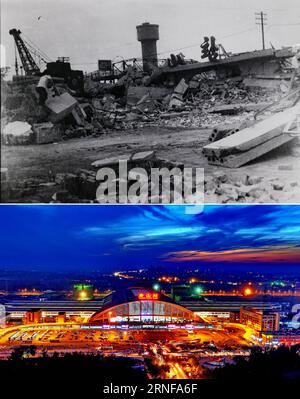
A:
[223,188]
[83,184]
[189,104]
[131,104]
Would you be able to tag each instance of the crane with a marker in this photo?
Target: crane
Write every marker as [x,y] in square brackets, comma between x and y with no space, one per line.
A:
[59,69]
[29,65]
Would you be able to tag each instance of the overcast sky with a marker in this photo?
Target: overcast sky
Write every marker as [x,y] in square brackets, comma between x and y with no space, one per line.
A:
[74,238]
[87,30]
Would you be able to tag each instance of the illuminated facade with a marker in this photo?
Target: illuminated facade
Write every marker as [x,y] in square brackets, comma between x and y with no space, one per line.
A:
[259,320]
[138,305]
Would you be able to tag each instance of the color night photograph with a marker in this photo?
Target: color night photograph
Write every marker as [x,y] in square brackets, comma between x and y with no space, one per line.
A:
[151,292]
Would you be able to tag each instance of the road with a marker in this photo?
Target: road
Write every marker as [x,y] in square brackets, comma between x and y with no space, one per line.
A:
[25,163]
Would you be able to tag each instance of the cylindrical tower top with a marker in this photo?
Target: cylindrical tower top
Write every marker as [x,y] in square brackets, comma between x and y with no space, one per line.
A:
[147,31]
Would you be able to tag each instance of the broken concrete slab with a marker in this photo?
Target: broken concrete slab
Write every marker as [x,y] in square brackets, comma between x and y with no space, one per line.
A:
[46,133]
[60,106]
[17,133]
[252,136]
[130,158]
[181,88]
[240,159]
[143,156]
[107,162]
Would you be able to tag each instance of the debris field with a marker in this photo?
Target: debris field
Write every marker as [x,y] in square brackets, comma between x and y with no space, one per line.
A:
[233,126]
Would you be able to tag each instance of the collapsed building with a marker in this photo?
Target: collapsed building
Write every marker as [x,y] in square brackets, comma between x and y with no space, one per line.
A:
[259,89]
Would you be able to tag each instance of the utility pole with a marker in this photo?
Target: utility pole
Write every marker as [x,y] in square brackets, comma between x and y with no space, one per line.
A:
[261,18]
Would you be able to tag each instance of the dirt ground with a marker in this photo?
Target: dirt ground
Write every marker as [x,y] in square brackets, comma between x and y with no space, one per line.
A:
[44,161]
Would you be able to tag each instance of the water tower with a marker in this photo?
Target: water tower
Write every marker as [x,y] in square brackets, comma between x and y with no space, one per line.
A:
[148,34]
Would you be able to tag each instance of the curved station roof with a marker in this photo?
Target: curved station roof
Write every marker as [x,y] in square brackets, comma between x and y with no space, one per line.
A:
[138,304]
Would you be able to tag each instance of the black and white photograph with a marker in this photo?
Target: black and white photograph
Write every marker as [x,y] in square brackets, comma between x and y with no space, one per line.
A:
[128,101]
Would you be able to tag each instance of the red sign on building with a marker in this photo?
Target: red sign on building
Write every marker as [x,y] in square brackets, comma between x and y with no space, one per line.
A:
[148,296]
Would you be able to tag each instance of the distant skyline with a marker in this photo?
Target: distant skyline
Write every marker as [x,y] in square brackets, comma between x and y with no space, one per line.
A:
[108,238]
[88,30]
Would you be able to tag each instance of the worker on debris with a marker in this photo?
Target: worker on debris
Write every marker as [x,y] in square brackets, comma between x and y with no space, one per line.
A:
[205,48]
[174,61]
[180,59]
[45,89]
[213,51]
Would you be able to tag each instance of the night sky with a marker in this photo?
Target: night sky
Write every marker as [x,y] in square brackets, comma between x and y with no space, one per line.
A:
[118,237]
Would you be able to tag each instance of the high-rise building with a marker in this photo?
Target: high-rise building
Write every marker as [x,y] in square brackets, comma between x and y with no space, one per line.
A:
[259,320]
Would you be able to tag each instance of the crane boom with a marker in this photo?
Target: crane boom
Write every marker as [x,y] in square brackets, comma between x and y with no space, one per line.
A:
[29,65]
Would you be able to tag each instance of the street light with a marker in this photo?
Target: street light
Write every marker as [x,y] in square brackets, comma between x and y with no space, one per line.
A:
[198,290]
[156,287]
[82,295]
[248,291]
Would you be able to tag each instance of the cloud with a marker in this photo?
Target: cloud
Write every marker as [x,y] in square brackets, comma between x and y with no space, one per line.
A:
[267,254]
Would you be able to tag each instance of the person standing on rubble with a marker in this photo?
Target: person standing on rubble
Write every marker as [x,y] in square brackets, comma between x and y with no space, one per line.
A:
[205,46]
[45,89]
[213,51]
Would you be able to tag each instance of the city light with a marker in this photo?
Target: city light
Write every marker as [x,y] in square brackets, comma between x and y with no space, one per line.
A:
[156,287]
[198,290]
[83,295]
[248,291]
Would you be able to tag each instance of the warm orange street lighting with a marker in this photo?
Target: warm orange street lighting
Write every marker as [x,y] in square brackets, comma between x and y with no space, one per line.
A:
[248,291]
[82,294]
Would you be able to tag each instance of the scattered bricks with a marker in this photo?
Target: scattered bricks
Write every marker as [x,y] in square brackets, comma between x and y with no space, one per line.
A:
[46,133]
[227,190]
[254,180]
[285,167]
[60,106]
[278,186]
[293,184]
[249,181]
[220,177]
